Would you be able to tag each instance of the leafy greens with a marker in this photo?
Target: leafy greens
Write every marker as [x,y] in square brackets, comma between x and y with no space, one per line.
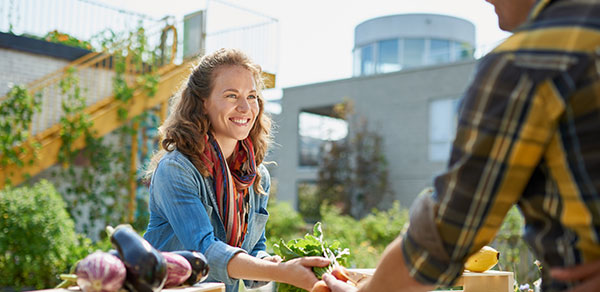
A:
[311,245]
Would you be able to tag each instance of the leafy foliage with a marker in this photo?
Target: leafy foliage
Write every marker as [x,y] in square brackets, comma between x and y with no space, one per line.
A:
[353,173]
[311,245]
[36,236]
[16,113]
[515,254]
[66,39]
[367,238]
[103,180]
[284,223]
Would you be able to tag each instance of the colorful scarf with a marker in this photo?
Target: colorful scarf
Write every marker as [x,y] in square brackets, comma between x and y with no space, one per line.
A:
[232,194]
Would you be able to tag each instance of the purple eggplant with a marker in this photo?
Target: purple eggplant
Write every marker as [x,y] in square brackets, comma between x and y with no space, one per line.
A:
[178,269]
[199,265]
[100,272]
[146,266]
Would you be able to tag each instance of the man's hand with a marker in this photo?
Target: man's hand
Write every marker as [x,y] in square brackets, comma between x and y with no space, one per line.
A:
[588,274]
[336,285]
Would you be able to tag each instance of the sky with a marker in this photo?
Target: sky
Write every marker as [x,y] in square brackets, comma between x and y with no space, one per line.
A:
[316,37]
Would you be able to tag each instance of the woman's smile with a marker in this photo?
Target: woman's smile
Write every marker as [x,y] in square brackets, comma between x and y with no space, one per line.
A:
[240,121]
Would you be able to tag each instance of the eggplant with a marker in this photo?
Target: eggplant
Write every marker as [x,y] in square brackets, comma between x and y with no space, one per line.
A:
[178,269]
[199,265]
[146,266]
[100,272]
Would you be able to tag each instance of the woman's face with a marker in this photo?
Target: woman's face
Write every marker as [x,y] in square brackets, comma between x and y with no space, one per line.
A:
[232,106]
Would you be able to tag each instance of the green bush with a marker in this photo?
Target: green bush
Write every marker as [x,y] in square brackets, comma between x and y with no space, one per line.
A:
[366,239]
[284,223]
[382,227]
[515,255]
[36,236]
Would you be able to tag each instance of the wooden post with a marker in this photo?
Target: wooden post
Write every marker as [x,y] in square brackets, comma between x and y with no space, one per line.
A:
[132,172]
[164,110]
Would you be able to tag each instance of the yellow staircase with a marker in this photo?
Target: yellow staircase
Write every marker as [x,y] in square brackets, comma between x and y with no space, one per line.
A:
[95,72]
[103,114]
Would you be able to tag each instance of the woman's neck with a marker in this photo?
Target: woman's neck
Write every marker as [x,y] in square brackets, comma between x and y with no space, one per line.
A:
[227,147]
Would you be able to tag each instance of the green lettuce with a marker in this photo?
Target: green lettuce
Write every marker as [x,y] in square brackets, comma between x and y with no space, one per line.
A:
[311,245]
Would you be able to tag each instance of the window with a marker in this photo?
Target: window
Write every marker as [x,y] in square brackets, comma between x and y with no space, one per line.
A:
[442,128]
[356,64]
[314,131]
[387,57]
[367,62]
[414,52]
[396,54]
[439,51]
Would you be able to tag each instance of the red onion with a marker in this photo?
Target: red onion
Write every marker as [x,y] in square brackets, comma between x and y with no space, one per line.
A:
[178,269]
[100,272]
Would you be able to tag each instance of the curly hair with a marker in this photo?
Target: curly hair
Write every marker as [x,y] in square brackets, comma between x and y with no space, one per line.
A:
[188,123]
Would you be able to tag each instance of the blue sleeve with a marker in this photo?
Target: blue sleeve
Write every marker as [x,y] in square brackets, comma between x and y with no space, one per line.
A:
[177,195]
[260,248]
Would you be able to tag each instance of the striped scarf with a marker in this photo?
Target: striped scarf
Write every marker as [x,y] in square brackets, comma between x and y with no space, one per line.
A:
[232,194]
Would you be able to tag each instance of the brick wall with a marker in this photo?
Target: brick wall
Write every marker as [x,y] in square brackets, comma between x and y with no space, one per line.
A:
[23,68]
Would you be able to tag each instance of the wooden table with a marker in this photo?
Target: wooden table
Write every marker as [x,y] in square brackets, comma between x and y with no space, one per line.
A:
[202,287]
[489,281]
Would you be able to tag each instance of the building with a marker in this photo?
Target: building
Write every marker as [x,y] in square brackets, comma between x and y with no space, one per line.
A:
[409,73]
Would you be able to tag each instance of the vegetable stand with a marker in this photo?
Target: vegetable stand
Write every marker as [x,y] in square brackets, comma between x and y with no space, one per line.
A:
[202,287]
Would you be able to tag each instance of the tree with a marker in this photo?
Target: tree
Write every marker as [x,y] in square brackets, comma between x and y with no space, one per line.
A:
[353,172]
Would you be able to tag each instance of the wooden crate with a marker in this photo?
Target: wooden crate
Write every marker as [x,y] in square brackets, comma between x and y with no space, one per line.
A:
[489,281]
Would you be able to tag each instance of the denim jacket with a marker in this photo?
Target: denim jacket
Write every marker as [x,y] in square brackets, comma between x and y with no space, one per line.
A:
[184,216]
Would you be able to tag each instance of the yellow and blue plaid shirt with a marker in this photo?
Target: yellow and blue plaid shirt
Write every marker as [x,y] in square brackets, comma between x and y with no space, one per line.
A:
[528,134]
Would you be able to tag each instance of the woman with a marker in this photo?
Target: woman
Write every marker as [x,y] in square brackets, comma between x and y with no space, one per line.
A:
[209,190]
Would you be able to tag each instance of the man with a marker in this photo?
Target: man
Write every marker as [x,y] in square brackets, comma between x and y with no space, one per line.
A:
[528,134]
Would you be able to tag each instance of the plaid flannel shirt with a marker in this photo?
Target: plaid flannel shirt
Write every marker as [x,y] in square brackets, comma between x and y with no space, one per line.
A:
[528,134]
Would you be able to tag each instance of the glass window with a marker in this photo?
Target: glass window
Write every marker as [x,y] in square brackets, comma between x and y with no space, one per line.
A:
[356,64]
[413,53]
[314,131]
[442,128]
[367,64]
[387,57]
[439,51]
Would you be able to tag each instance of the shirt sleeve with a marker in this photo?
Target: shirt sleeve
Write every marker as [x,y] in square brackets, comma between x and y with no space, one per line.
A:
[506,119]
[260,247]
[177,197]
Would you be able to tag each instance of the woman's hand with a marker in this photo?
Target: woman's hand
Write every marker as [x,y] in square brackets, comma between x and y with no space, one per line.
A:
[336,285]
[274,259]
[298,271]
[588,274]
